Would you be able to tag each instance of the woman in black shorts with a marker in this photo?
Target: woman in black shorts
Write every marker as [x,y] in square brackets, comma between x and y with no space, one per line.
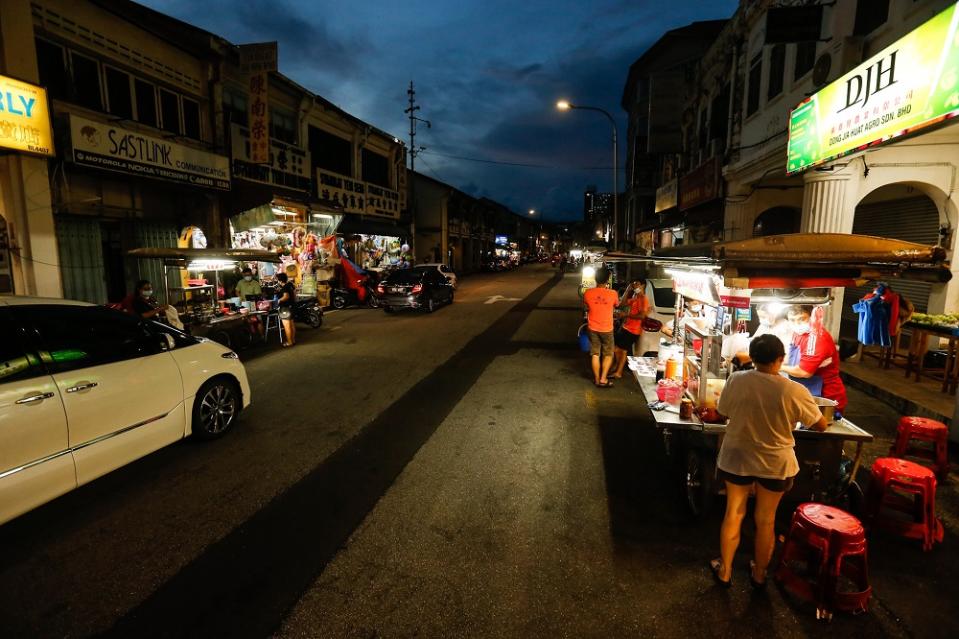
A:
[758,450]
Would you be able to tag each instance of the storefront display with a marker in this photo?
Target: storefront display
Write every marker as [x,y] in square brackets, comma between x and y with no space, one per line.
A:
[379,252]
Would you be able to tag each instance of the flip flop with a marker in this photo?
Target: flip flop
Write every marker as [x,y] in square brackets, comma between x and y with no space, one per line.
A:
[606,384]
[714,567]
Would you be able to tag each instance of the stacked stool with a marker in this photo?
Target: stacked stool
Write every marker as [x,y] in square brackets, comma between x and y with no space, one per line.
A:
[900,487]
[921,429]
[831,543]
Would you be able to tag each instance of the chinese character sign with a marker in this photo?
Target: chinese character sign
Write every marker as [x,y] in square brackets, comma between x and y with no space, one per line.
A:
[259,115]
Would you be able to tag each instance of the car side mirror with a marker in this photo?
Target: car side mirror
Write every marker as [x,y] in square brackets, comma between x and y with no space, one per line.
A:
[167,343]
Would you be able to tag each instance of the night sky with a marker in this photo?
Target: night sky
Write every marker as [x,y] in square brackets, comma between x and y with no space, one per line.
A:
[488,74]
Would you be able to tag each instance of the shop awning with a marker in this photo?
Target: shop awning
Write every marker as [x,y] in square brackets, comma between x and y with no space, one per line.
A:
[214,254]
[667,219]
[357,225]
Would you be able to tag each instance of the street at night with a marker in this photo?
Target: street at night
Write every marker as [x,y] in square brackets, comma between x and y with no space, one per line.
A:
[467,479]
[479,319]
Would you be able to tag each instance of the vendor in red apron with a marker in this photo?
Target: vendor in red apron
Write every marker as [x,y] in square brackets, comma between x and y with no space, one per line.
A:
[813,357]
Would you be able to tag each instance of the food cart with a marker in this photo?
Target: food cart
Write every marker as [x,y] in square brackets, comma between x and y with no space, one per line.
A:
[732,278]
[196,298]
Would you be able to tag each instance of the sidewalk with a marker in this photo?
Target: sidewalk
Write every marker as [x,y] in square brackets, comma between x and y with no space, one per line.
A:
[907,396]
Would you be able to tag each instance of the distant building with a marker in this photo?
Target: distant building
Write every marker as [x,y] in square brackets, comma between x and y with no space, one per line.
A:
[598,213]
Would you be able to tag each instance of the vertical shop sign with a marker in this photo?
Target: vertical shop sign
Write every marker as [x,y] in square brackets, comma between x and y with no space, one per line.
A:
[257,61]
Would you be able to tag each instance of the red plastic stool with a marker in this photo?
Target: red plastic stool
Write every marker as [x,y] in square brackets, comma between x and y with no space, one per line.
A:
[925,430]
[831,544]
[901,487]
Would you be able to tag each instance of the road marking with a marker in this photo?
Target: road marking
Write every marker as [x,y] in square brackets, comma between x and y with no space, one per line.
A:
[499,298]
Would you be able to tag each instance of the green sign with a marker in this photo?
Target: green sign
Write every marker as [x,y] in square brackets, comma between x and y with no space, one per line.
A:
[910,84]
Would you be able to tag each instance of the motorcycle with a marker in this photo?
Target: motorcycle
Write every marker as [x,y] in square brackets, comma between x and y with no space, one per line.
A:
[308,311]
[343,297]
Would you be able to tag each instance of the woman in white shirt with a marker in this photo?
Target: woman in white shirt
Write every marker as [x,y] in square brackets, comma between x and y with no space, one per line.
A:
[758,450]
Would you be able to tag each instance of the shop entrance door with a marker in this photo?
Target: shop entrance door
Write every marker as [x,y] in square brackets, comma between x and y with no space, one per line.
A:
[113,261]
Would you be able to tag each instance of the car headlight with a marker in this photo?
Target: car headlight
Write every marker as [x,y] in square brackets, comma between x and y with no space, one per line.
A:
[230,355]
[588,272]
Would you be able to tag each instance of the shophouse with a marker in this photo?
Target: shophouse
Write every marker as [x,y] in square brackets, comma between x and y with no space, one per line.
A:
[865,115]
[657,89]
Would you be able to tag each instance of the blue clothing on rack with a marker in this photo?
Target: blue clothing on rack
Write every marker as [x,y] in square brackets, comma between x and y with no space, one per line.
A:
[874,320]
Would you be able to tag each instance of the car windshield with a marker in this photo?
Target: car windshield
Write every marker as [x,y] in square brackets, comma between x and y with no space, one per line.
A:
[412,276]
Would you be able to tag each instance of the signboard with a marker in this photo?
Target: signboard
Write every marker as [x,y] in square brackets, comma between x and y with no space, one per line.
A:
[258,57]
[734,297]
[699,185]
[667,196]
[256,61]
[24,117]
[698,286]
[109,147]
[502,240]
[288,166]
[908,85]
[356,196]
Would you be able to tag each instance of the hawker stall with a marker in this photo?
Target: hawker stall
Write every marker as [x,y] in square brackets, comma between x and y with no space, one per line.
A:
[193,286]
[729,286]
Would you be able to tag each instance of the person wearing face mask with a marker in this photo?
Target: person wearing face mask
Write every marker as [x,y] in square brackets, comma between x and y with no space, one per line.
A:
[247,285]
[692,310]
[814,359]
[144,304]
[772,322]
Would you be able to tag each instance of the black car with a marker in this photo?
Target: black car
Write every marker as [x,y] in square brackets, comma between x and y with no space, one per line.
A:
[414,288]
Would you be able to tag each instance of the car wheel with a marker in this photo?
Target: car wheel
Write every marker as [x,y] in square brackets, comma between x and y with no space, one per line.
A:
[314,319]
[215,409]
[339,302]
[430,305]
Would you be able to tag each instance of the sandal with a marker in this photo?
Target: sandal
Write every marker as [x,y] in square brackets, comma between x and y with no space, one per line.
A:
[606,384]
[758,585]
[714,567]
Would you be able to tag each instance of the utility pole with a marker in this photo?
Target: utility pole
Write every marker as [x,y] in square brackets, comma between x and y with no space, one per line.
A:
[414,150]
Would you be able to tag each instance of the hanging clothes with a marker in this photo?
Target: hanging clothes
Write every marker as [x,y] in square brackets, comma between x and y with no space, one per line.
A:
[874,322]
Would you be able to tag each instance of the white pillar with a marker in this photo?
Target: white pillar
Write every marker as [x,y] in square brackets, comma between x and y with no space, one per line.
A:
[826,209]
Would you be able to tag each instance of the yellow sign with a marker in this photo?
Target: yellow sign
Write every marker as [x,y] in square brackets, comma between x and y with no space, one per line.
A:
[24,117]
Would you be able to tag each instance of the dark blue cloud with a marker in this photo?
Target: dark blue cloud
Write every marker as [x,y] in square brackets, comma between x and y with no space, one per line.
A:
[488,74]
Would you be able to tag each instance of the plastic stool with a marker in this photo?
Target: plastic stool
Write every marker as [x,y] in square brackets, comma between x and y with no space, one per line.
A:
[926,430]
[832,544]
[900,486]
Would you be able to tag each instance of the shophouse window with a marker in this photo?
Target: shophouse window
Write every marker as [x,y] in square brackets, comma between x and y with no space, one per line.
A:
[376,168]
[870,15]
[119,93]
[719,117]
[805,59]
[777,67]
[235,107]
[702,134]
[191,119]
[283,126]
[146,99]
[52,65]
[86,82]
[330,152]
[169,111]
[755,79]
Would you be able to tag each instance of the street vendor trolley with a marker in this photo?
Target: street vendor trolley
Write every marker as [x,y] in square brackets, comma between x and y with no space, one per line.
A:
[733,278]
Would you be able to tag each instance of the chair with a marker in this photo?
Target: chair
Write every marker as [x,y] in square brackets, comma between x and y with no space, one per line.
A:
[273,323]
[902,500]
[922,429]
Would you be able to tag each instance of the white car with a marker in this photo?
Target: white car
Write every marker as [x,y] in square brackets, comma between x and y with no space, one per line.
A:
[663,299]
[85,389]
[442,268]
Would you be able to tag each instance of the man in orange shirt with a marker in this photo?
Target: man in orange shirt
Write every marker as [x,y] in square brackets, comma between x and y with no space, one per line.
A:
[600,303]
[635,300]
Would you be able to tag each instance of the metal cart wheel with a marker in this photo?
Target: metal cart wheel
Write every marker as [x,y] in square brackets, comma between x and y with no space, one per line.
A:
[222,337]
[698,482]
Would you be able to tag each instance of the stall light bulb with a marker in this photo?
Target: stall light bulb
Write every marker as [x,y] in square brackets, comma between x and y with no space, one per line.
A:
[589,272]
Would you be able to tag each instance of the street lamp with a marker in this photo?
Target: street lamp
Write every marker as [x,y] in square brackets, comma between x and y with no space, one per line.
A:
[565,105]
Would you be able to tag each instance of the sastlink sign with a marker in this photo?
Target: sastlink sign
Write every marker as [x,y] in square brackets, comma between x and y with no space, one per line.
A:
[910,84]
[113,148]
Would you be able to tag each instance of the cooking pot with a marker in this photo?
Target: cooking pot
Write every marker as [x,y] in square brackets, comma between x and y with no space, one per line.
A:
[827,407]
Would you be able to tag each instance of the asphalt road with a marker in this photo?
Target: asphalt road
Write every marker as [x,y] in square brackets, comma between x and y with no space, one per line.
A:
[442,475]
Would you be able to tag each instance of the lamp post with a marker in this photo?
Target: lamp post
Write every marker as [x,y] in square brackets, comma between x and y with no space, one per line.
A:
[565,105]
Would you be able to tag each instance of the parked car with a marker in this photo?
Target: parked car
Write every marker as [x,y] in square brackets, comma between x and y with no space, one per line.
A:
[415,288]
[85,389]
[663,300]
[442,268]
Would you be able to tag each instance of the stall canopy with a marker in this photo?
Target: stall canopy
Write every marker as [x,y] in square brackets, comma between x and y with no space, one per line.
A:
[808,260]
[214,254]
[354,225]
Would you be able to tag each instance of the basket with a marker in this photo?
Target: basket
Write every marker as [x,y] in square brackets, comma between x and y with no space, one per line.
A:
[583,335]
